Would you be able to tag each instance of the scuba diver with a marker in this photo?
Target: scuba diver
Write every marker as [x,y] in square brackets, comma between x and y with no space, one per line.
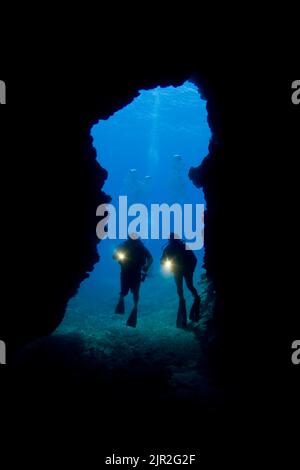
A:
[182,262]
[135,260]
[137,190]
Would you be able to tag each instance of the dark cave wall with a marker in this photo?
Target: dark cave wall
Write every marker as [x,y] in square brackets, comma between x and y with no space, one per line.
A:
[61,181]
[49,196]
[57,187]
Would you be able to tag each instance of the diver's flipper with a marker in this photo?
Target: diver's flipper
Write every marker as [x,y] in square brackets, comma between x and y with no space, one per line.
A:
[132,319]
[120,308]
[181,315]
[195,310]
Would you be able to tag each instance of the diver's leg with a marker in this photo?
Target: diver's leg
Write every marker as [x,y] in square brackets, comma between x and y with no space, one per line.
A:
[136,297]
[188,276]
[135,289]
[120,308]
[179,284]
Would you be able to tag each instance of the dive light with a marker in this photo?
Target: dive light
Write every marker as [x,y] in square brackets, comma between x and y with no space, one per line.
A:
[168,265]
[121,256]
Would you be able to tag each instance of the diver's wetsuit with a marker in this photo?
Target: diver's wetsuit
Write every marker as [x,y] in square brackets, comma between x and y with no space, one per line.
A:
[188,277]
[130,281]
[184,264]
[136,257]
[183,267]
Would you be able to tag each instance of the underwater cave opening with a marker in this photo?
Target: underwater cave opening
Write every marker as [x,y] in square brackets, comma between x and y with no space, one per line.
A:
[147,149]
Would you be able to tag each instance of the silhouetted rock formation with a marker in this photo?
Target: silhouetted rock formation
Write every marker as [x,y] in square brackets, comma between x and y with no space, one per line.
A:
[55,172]
[65,181]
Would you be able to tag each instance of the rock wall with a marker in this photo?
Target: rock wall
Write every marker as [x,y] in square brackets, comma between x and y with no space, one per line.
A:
[56,185]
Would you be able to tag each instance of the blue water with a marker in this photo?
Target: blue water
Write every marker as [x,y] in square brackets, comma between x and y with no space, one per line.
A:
[149,146]
[147,134]
[147,149]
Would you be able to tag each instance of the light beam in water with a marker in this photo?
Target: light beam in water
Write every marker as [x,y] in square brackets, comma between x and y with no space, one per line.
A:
[153,155]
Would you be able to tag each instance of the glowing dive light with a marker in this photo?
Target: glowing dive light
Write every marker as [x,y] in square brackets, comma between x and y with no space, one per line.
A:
[121,256]
[168,264]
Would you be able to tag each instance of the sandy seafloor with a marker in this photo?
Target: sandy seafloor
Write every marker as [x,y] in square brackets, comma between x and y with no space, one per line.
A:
[94,348]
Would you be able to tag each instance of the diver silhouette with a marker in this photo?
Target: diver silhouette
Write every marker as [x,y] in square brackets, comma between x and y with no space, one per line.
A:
[182,263]
[135,260]
[137,189]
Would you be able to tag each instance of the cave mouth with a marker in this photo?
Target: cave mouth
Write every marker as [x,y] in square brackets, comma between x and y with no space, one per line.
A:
[147,149]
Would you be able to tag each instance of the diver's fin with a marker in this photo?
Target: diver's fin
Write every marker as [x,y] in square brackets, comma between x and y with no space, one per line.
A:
[181,315]
[120,308]
[195,310]
[132,319]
